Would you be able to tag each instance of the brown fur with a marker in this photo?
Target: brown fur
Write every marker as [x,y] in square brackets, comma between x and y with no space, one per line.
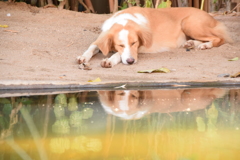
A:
[165,29]
[163,101]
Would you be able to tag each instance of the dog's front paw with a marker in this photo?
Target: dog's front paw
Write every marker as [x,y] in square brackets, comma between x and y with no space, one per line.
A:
[189,44]
[81,60]
[106,63]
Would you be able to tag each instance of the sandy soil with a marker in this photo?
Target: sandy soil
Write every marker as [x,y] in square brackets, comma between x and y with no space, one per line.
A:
[40,45]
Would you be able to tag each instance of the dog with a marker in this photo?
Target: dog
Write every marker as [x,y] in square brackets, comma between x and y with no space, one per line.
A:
[134,104]
[146,30]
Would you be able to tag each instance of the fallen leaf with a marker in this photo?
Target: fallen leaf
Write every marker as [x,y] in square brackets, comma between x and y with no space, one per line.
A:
[4,26]
[234,59]
[235,75]
[160,70]
[224,75]
[122,86]
[85,66]
[95,80]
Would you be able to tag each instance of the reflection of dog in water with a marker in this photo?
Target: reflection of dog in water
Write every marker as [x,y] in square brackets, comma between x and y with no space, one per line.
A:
[135,104]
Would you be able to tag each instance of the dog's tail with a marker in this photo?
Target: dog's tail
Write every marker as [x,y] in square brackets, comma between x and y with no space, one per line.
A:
[221,31]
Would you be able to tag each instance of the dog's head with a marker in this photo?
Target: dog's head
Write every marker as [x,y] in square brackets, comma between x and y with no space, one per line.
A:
[126,104]
[126,40]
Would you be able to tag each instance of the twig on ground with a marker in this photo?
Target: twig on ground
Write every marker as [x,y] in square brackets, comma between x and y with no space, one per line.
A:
[13,31]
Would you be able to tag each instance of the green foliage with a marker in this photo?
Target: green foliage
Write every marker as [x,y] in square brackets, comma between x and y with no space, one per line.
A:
[4,122]
[133,2]
[61,126]
[72,104]
[7,109]
[59,145]
[59,112]
[84,144]
[76,119]
[201,127]
[124,5]
[166,4]
[61,100]
[87,113]
[4,101]
[148,4]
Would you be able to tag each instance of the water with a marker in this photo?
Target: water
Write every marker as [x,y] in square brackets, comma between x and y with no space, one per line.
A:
[181,124]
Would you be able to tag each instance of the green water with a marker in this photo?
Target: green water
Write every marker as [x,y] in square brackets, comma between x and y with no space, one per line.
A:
[163,124]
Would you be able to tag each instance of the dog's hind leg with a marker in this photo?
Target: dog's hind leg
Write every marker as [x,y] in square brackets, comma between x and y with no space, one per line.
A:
[206,32]
[198,44]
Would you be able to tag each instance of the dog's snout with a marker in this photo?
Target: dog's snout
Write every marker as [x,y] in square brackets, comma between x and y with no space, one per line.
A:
[130,60]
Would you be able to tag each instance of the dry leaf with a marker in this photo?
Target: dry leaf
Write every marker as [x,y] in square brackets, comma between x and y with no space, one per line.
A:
[235,75]
[85,66]
[160,70]
[122,86]
[95,80]
[224,75]
[234,59]
[4,26]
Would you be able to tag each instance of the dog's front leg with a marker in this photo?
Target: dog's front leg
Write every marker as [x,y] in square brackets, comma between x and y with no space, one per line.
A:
[112,61]
[87,55]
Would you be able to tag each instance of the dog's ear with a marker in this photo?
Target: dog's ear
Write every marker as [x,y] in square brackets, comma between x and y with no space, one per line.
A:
[107,95]
[145,37]
[144,98]
[105,43]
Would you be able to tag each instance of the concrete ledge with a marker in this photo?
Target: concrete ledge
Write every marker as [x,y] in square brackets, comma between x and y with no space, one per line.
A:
[26,85]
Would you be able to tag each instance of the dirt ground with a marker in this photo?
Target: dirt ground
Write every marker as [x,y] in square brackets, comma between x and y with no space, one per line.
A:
[41,46]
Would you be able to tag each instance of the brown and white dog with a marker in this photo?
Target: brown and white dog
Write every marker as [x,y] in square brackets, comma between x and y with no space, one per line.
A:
[145,30]
[136,104]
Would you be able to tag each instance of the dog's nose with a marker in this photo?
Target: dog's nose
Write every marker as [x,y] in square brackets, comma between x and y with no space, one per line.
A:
[130,60]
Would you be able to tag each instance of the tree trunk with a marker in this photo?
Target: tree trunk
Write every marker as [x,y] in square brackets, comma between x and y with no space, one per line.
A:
[111,5]
[47,113]
[49,2]
[61,5]
[41,3]
[228,5]
[157,3]
[182,3]
[84,5]
[129,4]
[115,8]
[138,3]
[89,5]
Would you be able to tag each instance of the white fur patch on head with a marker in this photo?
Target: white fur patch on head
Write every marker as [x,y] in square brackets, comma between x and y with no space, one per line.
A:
[122,19]
[123,103]
[123,37]
[123,22]
[141,18]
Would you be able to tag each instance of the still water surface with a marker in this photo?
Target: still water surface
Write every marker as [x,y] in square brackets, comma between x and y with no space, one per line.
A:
[180,124]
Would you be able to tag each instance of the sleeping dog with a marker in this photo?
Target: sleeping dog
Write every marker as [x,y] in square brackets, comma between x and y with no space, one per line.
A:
[136,104]
[146,30]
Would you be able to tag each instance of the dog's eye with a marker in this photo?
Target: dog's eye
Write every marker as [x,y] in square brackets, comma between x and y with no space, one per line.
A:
[121,45]
[121,94]
[133,43]
[133,96]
